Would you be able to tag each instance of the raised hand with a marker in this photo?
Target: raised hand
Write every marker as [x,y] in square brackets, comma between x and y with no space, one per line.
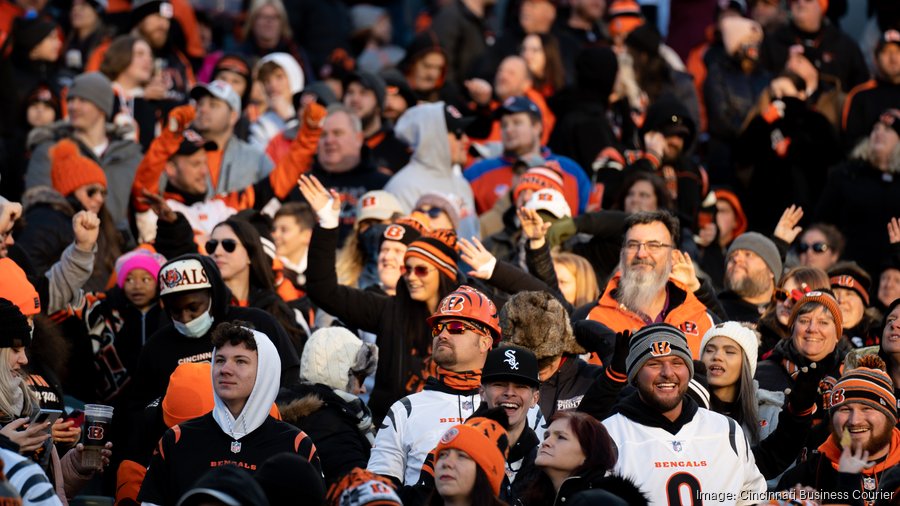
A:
[86,226]
[683,270]
[316,194]
[893,227]
[477,256]
[480,90]
[655,143]
[159,206]
[533,226]
[786,229]
[853,462]
[180,117]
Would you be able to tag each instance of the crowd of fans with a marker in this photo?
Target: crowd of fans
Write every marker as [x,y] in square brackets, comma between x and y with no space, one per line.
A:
[460,252]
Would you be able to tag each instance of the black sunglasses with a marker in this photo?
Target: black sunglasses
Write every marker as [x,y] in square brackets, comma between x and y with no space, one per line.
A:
[93,191]
[818,247]
[432,212]
[229,245]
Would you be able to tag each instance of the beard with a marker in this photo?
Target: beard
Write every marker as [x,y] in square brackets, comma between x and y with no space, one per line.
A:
[638,289]
[877,442]
[751,285]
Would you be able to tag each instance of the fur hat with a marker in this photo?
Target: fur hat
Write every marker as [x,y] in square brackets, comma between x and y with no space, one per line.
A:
[538,322]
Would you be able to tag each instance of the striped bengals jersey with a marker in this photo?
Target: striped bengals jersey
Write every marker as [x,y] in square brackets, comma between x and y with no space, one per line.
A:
[707,462]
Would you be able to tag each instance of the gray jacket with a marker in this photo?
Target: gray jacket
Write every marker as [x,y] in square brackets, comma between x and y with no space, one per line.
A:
[242,165]
[67,276]
[119,162]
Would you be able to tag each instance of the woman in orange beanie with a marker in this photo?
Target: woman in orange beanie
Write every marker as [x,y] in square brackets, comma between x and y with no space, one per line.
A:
[78,184]
[470,464]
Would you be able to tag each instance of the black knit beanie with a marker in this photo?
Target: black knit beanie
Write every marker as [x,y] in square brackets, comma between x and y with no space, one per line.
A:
[16,330]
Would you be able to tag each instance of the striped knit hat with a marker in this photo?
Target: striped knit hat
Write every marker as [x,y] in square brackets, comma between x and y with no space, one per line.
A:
[820,297]
[539,178]
[437,248]
[867,384]
[655,341]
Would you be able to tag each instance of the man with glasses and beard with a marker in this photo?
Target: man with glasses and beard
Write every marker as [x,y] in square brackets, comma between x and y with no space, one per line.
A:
[864,440]
[752,270]
[465,327]
[645,290]
[674,451]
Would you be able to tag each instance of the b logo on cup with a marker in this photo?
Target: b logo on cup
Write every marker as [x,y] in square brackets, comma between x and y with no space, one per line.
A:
[95,432]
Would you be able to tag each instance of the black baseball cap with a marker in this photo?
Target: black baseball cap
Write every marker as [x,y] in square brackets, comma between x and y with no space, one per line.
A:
[228,484]
[511,363]
[192,142]
[456,122]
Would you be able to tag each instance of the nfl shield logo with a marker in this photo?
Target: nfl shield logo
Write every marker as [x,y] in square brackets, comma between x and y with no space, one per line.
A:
[235,447]
[869,483]
[676,446]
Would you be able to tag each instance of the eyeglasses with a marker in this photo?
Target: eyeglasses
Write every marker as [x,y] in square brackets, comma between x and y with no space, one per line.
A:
[454,327]
[92,191]
[781,294]
[651,246]
[818,247]
[229,245]
[420,270]
[432,212]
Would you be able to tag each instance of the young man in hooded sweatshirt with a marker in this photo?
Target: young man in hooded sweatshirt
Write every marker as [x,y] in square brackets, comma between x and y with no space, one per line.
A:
[239,430]
[197,301]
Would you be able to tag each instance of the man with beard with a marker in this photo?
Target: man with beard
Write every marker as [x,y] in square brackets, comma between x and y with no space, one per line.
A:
[674,451]
[364,94]
[864,441]
[464,327]
[644,289]
[752,269]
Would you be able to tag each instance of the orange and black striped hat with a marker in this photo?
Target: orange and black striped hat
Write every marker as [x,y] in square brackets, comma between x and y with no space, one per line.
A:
[868,384]
[437,248]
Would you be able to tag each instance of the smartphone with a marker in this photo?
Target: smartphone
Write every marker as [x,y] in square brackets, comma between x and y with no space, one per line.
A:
[76,416]
[47,415]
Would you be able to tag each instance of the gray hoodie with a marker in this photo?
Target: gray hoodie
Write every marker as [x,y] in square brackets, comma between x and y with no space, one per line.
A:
[424,129]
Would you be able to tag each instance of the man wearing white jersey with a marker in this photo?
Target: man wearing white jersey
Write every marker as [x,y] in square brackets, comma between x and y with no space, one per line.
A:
[465,327]
[675,451]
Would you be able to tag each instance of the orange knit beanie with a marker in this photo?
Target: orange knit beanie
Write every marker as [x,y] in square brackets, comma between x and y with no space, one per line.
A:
[70,170]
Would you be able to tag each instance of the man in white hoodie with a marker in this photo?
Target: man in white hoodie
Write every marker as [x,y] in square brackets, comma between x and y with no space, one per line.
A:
[238,431]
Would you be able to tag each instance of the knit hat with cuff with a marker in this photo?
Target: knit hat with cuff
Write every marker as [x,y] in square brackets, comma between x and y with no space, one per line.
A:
[656,341]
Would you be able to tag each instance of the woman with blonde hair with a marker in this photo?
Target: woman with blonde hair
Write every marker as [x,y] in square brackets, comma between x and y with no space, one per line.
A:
[576,277]
[267,30]
[773,324]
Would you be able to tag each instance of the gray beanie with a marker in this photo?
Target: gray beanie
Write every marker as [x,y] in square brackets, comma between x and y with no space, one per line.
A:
[96,89]
[762,246]
[654,341]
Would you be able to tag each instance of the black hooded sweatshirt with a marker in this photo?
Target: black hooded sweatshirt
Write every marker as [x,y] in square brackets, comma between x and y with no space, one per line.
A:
[168,348]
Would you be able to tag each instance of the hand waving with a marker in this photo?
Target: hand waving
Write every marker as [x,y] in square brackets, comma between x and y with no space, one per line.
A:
[478,257]
[787,229]
[316,194]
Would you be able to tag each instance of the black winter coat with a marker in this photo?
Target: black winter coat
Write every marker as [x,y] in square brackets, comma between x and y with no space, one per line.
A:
[332,423]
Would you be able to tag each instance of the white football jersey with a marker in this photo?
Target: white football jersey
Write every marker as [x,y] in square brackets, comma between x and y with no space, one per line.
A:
[709,461]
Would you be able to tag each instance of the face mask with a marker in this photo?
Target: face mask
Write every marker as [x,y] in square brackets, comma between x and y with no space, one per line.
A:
[197,327]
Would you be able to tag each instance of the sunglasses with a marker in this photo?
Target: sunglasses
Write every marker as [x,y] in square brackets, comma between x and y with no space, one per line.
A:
[91,192]
[454,328]
[420,270]
[782,295]
[432,212]
[818,247]
[229,245]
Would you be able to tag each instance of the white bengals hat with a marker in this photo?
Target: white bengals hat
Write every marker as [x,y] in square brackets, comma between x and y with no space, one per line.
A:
[377,205]
[182,276]
[551,201]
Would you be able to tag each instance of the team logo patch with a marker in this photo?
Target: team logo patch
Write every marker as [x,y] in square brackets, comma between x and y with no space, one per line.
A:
[545,197]
[172,278]
[393,232]
[235,447]
[869,482]
[450,435]
[660,348]
[677,446]
[369,202]
[454,112]
[511,360]
[453,304]
[689,328]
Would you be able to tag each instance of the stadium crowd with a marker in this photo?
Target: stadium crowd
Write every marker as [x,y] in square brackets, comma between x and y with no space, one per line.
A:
[449,252]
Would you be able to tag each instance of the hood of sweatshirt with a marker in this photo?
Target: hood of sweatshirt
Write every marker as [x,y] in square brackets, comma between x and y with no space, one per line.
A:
[256,409]
[424,129]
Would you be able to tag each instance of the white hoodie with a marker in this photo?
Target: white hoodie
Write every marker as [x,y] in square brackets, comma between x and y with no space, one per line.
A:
[258,405]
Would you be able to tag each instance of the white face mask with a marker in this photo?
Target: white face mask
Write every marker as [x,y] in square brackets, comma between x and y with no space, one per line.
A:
[197,327]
